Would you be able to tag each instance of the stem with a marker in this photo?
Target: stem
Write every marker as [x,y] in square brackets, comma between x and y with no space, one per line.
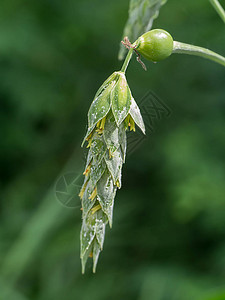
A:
[127,60]
[198,51]
[218,8]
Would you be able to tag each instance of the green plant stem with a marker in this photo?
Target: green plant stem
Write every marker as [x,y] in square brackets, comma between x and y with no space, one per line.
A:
[198,51]
[218,8]
[127,60]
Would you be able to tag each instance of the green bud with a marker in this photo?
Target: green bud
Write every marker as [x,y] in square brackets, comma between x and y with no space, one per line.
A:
[155,45]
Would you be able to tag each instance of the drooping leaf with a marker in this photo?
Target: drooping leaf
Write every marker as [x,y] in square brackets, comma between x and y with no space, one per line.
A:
[141,16]
[136,115]
[121,99]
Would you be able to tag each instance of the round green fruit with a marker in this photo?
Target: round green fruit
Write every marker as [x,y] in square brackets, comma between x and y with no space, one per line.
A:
[155,45]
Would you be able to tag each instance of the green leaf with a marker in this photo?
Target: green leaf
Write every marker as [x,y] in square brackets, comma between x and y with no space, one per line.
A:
[136,115]
[121,99]
[141,16]
[100,105]
[114,164]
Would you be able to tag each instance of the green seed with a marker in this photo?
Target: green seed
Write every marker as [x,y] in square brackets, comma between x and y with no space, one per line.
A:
[155,45]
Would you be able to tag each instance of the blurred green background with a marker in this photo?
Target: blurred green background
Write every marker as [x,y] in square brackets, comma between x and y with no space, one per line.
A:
[168,236]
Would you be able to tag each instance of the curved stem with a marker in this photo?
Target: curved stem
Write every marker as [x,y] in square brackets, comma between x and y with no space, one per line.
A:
[218,7]
[127,60]
[198,51]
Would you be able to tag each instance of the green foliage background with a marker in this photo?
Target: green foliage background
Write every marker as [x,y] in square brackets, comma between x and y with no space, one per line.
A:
[168,236]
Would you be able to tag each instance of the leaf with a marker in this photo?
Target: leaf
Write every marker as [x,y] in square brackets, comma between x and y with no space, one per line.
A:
[136,115]
[100,106]
[121,99]
[141,16]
